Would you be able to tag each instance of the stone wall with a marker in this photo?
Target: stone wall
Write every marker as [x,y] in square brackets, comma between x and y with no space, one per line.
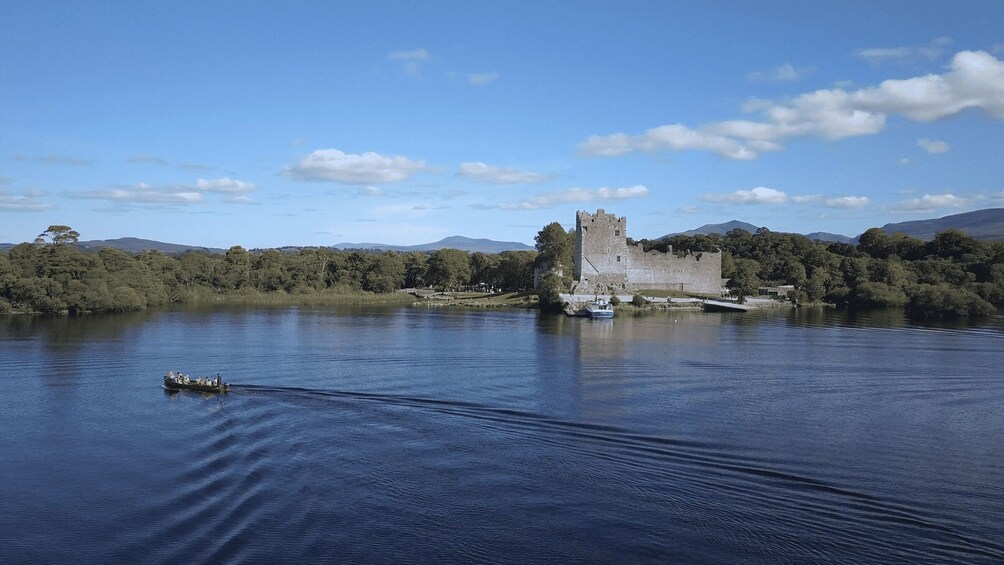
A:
[605,262]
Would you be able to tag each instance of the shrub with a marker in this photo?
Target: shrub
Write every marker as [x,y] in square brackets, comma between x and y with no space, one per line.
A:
[614,300]
[549,292]
[942,301]
[638,300]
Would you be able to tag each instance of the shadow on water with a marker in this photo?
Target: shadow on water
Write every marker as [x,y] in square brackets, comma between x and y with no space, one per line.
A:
[67,331]
[887,318]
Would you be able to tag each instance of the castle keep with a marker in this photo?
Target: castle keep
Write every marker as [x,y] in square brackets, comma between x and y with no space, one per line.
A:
[605,262]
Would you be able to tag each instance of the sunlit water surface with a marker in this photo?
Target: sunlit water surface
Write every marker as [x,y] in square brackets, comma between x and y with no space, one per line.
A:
[406,435]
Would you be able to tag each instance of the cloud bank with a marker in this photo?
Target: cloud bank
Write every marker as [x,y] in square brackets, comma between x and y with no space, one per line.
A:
[765,195]
[975,81]
[143,194]
[365,169]
[30,201]
[577,195]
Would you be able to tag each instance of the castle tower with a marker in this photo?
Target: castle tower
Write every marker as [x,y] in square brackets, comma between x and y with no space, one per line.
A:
[601,252]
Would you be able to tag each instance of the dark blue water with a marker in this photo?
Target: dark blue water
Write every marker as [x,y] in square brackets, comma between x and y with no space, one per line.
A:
[501,436]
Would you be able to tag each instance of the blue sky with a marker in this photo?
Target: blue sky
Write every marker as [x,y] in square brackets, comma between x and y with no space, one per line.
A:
[313,123]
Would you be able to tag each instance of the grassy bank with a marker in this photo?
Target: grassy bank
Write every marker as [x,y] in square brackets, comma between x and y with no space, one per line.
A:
[478,299]
[279,298]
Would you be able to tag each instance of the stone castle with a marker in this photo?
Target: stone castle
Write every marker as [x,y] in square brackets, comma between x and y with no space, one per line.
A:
[606,263]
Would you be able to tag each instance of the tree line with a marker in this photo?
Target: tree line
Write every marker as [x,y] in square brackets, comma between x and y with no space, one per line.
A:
[53,275]
[952,275]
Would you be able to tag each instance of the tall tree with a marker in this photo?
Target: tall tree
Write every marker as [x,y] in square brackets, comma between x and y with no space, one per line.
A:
[60,235]
[744,281]
[449,268]
[555,248]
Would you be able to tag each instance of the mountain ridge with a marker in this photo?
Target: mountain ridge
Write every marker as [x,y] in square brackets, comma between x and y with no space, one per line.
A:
[726,227]
[460,242]
[986,224]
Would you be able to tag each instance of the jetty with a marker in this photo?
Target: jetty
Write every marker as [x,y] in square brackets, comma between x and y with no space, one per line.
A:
[723,306]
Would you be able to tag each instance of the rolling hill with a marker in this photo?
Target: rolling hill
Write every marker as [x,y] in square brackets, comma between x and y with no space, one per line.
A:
[987,225]
[722,229]
[454,242]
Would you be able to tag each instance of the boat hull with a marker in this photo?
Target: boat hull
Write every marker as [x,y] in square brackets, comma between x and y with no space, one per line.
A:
[599,313]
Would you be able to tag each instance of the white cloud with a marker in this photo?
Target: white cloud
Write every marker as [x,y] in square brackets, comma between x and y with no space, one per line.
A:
[931,52]
[412,60]
[225,185]
[975,81]
[576,195]
[30,201]
[370,191]
[481,79]
[848,202]
[675,137]
[905,161]
[143,194]
[932,146]
[688,209]
[807,198]
[782,73]
[931,202]
[480,172]
[759,195]
[368,168]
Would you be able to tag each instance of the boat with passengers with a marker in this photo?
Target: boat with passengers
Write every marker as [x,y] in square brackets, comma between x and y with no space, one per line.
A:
[180,381]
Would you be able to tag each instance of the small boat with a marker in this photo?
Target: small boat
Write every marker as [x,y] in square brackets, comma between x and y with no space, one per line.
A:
[179,381]
[600,308]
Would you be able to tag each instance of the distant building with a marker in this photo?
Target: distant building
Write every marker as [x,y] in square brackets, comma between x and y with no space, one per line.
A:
[779,292]
[606,262]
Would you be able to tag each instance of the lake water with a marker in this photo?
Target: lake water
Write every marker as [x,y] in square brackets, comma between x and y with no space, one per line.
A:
[405,435]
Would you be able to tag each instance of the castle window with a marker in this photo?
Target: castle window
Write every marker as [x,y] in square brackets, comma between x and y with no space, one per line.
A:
[617,232]
[618,258]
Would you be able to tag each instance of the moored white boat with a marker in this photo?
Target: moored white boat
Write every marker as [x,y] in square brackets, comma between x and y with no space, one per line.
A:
[600,308]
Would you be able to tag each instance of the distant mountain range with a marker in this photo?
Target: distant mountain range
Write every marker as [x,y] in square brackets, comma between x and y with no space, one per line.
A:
[136,245]
[722,229]
[452,242]
[985,225]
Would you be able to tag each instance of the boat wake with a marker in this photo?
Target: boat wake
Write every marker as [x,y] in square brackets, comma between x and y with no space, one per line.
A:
[385,477]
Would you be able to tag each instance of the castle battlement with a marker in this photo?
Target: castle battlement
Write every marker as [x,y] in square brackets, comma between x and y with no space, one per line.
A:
[605,262]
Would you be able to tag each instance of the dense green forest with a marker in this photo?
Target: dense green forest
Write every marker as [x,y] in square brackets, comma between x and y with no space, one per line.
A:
[952,275]
[53,275]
